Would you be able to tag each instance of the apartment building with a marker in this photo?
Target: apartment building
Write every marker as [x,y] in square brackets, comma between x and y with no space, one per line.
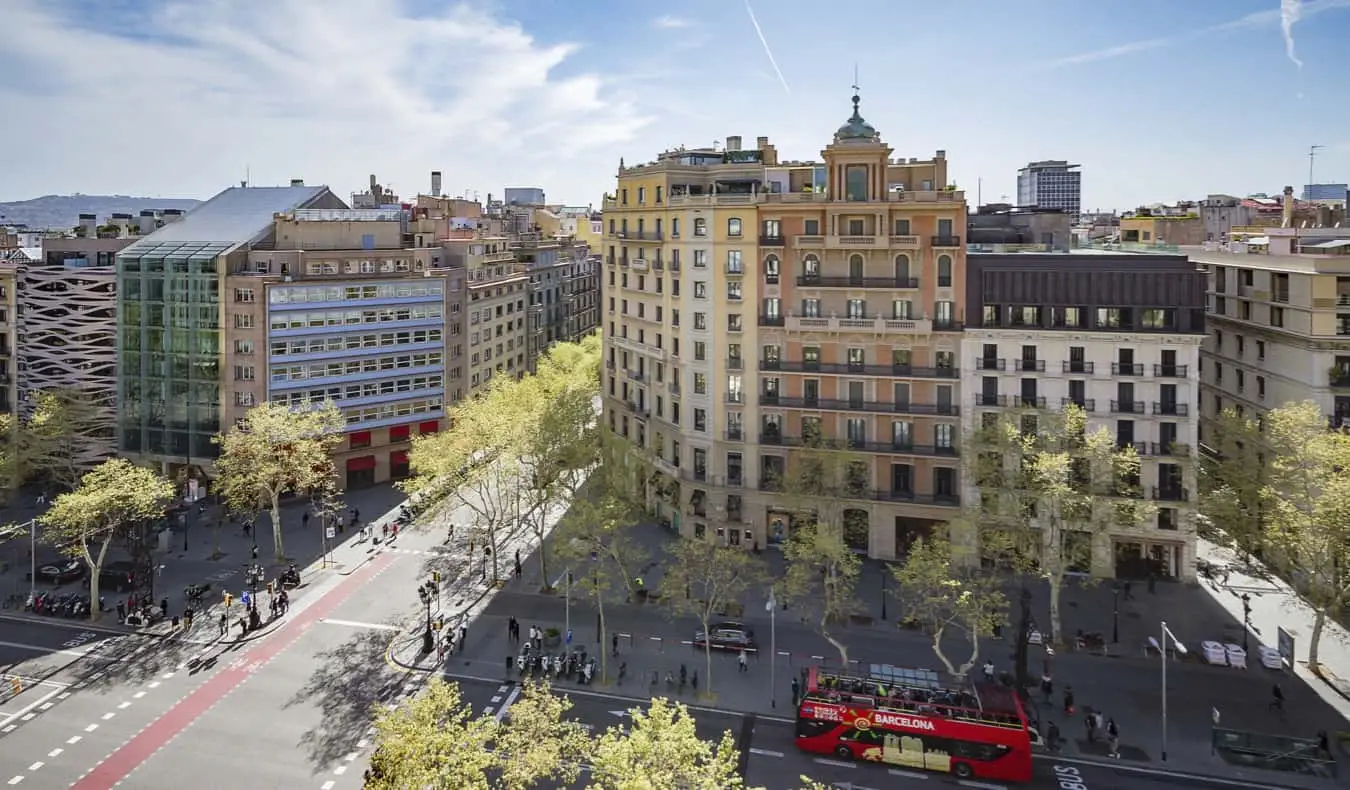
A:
[1279,323]
[581,292]
[335,305]
[548,262]
[174,385]
[1163,225]
[498,292]
[9,335]
[1119,336]
[753,305]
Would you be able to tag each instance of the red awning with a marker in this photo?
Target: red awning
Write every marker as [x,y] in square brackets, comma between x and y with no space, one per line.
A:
[361,464]
[398,458]
[431,426]
[399,433]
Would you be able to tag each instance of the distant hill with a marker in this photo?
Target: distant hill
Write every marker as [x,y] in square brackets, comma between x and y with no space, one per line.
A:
[63,211]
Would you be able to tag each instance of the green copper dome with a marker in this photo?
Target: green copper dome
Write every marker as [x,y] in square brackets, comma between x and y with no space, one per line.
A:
[856,128]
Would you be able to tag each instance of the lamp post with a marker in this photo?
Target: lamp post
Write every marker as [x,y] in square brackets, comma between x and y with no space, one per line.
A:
[772,606]
[1246,620]
[1115,613]
[426,593]
[32,559]
[567,602]
[883,595]
[1162,654]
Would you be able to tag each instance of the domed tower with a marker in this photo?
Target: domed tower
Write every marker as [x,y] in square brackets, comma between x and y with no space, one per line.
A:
[856,161]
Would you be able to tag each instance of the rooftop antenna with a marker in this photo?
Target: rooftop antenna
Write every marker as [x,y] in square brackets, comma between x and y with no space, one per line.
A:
[247,177]
[1312,157]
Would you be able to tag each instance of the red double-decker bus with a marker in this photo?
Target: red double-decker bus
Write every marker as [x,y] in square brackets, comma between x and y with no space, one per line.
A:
[906,718]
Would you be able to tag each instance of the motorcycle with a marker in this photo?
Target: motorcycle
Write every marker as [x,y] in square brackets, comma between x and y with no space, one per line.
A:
[559,666]
[193,593]
[523,661]
[290,578]
[588,672]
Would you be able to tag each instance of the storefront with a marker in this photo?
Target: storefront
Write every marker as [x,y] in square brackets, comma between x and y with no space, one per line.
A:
[361,471]
[1142,559]
[398,465]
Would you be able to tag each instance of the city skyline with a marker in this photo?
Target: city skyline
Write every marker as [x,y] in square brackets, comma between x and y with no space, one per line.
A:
[185,99]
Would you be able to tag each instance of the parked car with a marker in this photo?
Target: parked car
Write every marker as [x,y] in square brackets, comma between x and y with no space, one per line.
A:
[60,571]
[727,635]
[120,576]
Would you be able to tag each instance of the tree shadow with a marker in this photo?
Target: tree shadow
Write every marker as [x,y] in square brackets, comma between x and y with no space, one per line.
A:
[348,682]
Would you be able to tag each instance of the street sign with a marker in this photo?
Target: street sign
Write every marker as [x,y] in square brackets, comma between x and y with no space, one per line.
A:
[244,598]
[330,533]
[569,636]
[1286,646]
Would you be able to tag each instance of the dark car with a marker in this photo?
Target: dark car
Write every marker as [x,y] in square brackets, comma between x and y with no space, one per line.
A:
[120,576]
[727,635]
[60,571]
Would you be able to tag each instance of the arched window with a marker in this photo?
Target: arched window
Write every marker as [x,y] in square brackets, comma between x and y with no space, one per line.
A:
[944,271]
[810,266]
[855,267]
[771,270]
[902,267]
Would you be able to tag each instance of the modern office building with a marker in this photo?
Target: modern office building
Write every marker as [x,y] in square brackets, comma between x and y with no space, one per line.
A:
[524,196]
[752,305]
[1331,192]
[1118,335]
[1051,184]
[1279,323]
[174,386]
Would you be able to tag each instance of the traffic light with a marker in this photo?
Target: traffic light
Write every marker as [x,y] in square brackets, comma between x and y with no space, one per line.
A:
[436,576]
[229,600]
[271,588]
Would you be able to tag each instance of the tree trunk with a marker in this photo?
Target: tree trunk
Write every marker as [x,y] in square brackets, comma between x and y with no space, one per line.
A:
[604,655]
[1056,587]
[278,548]
[840,646]
[1023,646]
[95,569]
[707,656]
[543,551]
[937,651]
[1315,639]
[215,535]
[974,655]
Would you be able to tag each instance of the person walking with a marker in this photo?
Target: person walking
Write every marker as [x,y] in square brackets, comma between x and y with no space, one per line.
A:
[1113,738]
[224,624]
[1068,700]
[1047,686]
[1090,726]
[796,690]
[988,671]
[304,520]
[1052,737]
[614,645]
[1277,700]
[744,661]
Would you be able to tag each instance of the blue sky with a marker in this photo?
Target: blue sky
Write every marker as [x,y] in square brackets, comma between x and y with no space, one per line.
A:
[1157,100]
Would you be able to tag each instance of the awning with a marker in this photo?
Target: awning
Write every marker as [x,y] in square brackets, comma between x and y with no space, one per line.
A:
[359,438]
[1334,244]
[398,458]
[399,433]
[362,464]
[431,426]
[1261,240]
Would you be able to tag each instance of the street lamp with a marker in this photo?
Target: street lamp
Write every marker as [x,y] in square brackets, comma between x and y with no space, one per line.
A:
[1115,613]
[32,559]
[427,592]
[1162,653]
[772,606]
[1246,620]
[883,595]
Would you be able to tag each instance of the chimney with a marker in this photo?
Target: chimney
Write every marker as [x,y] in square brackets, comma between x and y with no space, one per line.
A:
[1288,214]
[435,183]
[734,143]
[145,223]
[90,224]
[761,143]
[297,182]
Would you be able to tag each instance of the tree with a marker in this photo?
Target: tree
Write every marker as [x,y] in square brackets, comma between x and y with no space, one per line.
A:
[48,442]
[433,741]
[538,742]
[1305,499]
[109,500]
[1048,489]
[942,595]
[822,568]
[661,750]
[1231,483]
[275,451]
[705,580]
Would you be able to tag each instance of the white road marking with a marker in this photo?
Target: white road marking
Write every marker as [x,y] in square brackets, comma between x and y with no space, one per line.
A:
[74,739]
[91,728]
[835,763]
[506,705]
[488,709]
[981,785]
[63,695]
[327,785]
[496,698]
[138,695]
[766,752]
[108,716]
[46,705]
[908,774]
[16,779]
[340,770]
[167,675]
[503,689]
[55,752]
[37,766]
[28,716]
[358,624]
[153,684]
[352,756]
[51,650]
[363,743]
[124,706]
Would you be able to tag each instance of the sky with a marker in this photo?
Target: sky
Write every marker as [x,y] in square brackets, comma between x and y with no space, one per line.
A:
[1157,100]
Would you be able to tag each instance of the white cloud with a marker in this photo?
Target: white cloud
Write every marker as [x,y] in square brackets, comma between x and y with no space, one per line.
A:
[328,91]
[671,22]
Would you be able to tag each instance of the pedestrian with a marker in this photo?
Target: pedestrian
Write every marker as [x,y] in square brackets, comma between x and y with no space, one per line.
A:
[304,520]
[224,623]
[614,645]
[255,551]
[1277,699]
[693,681]
[518,569]
[1047,686]
[463,634]
[684,676]
[1068,700]
[247,526]
[164,611]
[1052,737]
[1113,738]
[796,690]
[121,612]
[517,561]
[1129,594]
[511,628]
[187,618]
[988,671]
[1090,725]
[744,661]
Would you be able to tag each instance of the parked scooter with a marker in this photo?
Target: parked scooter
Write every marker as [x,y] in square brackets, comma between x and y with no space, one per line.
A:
[588,672]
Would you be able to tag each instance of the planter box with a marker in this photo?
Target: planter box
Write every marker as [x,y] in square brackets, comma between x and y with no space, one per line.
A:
[552,641]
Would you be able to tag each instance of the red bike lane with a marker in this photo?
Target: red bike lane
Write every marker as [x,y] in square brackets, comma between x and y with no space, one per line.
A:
[118,765]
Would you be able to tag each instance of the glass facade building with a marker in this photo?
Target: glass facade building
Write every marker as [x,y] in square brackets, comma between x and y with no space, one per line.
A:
[169,341]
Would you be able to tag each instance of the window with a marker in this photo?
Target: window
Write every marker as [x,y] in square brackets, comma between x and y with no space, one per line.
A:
[855,183]
[1277,316]
[811,227]
[243,346]
[700,320]
[773,229]
[700,259]
[902,309]
[244,295]
[734,226]
[243,321]
[1110,318]
[734,323]
[1159,319]
[902,267]
[902,227]
[700,351]
[700,383]
[642,195]
[944,271]
[811,308]
[700,420]
[700,289]
[700,226]
[857,308]
[244,373]
[734,291]
[734,262]
[243,399]
[771,270]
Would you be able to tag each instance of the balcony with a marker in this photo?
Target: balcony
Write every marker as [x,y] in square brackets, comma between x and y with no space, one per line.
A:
[734,363]
[947,325]
[735,269]
[945,241]
[1171,494]
[775,439]
[1338,377]
[874,407]
[637,375]
[1170,371]
[855,242]
[772,320]
[1127,407]
[809,241]
[639,235]
[1086,404]
[734,435]
[911,242]
[858,369]
[873,324]
[675,266]
[986,363]
[772,241]
[638,348]
[735,397]
[1127,369]
[1077,366]
[641,412]
[674,387]
[639,264]
[1174,409]
[1011,401]
[1029,365]
[941,500]
[1174,450]
[817,281]
[1140,448]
